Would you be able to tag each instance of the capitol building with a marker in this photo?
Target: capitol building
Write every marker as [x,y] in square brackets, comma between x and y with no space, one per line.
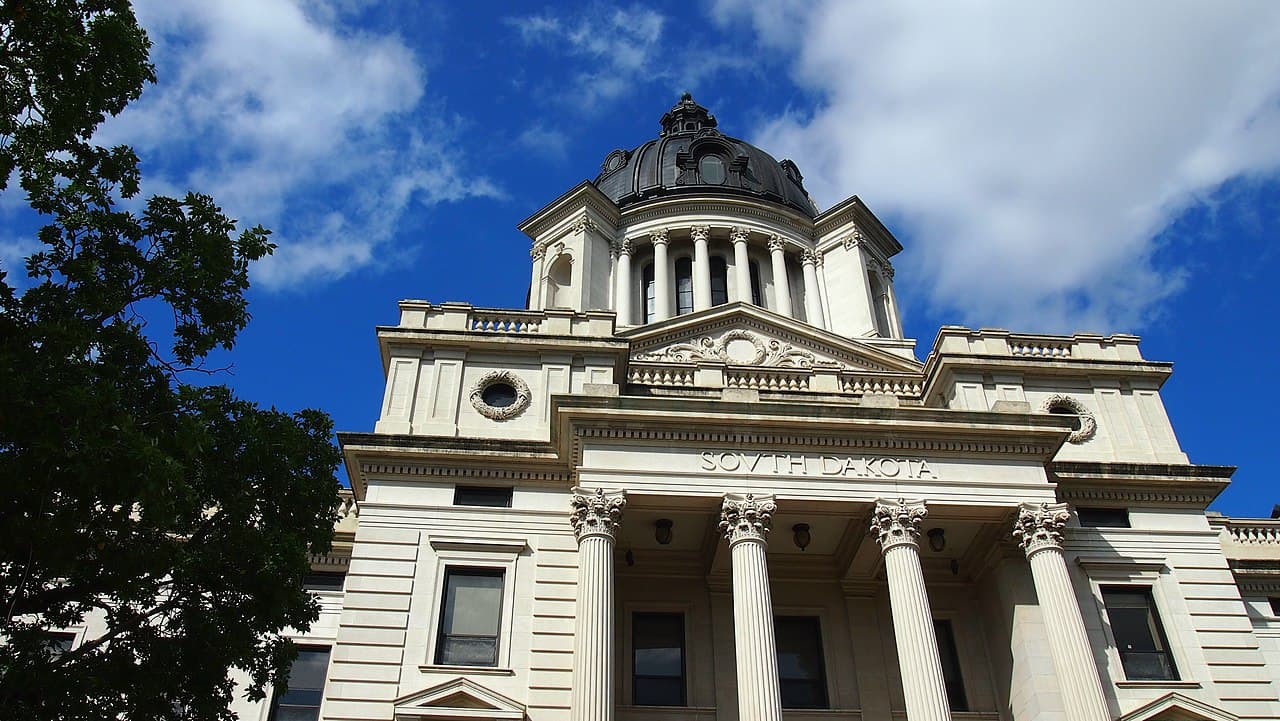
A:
[703,476]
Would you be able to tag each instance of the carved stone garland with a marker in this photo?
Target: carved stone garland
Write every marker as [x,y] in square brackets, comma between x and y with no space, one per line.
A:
[596,514]
[746,517]
[1040,526]
[1088,424]
[523,396]
[767,352]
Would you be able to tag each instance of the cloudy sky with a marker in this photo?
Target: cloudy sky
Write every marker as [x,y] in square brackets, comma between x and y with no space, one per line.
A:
[1051,166]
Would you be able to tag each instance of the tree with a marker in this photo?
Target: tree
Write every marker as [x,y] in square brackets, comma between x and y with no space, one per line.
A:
[178,515]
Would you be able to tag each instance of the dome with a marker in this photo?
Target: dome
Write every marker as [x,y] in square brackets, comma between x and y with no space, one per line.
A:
[691,156]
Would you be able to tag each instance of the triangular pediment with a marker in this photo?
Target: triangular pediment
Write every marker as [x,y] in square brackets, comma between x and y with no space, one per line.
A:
[747,335]
[457,700]
[1174,706]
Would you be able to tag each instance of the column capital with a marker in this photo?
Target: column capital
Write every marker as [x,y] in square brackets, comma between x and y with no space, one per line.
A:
[746,517]
[621,247]
[887,270]
[700,232]
[776,243]
[1039,526]
[739,235]
[853,240]
[897,522]
[658,237]
[537,252]
[808,257]
[596,513]
[583,223]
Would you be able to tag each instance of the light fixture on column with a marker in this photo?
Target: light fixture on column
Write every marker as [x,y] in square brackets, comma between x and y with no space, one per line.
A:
[662,531]
[937,539]
[800,534]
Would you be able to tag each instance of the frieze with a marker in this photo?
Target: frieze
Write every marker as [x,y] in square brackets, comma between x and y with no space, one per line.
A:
[739,347]
[800,464]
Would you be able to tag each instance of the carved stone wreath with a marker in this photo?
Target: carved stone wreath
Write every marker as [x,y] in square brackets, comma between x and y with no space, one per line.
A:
[523,396]
[1088,424]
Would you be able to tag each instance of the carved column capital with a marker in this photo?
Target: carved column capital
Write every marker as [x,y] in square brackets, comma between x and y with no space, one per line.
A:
[1039,526]
[887,270]
[700,232]
[746,517]
[897,522]
[658,237]
[621,247]
[817,259]
[808,257]
[538,252]
[598,513]
[739,235]
[853,240]
[583,223]
[776,243]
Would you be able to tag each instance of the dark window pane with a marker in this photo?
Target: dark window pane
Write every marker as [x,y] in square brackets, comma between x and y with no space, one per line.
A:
[757,292]
[646,280]
[1135,626]
[658,659]
[60,643]
[482,496]
[323,581]
[470,619]
[684,286]
[950,657]
[711,167]
[499,395]
[1275,605]
[800,663]
[719,281]
[301,702]
[1103,517]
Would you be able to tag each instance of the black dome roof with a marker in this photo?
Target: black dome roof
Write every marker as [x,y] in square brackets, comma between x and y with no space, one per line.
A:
[691,156]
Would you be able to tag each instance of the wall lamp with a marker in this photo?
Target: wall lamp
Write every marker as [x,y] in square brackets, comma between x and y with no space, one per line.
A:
[800,534]
[937,539]
[662,530]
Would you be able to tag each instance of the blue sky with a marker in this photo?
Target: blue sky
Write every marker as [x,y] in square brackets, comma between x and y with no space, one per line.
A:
[1049,167]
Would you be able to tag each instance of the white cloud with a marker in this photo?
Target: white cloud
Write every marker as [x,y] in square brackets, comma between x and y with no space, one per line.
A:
[291,119]
[1033,150]
[548,142]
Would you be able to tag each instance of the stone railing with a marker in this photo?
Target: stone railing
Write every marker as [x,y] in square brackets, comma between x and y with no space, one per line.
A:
[957,340]
[660,374]
[465,317]
[1037,347]
[767,379]
[862,384]
[1253,531]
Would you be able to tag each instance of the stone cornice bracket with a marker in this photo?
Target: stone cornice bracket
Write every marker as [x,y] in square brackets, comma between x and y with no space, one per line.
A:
[739,234]
[776,243]
[1039,526]
[658,237]
[807,257]
[897,522]
[583,223]
[746,517]
[700,232]
[596,514]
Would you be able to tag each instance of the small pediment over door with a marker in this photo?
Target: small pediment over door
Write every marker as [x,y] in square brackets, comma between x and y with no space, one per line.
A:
[1174,706]
[458,700]
[744,335]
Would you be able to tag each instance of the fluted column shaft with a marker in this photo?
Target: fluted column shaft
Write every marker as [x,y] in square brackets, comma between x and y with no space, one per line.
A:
[896,525]
[745,521]
[661,276]
[781,284]
[701,268]
[535,285]
[595,522]
[812,297]
[741,266]
[622,286]
[1039,532]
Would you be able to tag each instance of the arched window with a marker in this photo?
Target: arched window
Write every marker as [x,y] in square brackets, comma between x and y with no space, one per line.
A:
[646,283]
[757,288]
[559,279]
[879,298]
[684,286]
[719,280]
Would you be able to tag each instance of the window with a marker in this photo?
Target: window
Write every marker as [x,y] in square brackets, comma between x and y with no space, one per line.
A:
[879,300]
[719,281]
[559,279]
[950,658]
[59,642]
[1135,626]
[492,497]
[470,618]
[684,286]
[1275,605]
[301,702]
[646,280]
[1103,517]
[757,288]
[657,673]
[711,168]
[323,581]
[800,665]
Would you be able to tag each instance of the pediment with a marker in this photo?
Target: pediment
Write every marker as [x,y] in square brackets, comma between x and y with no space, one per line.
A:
[746,335]
[457,700]
[1174,706]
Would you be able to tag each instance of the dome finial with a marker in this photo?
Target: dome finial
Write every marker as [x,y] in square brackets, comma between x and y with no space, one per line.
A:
[686,116]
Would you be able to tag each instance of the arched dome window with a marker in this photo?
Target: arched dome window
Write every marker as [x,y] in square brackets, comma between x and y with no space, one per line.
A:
[711,168]
[719,281]
[559,279]
[646,283]
[684,286]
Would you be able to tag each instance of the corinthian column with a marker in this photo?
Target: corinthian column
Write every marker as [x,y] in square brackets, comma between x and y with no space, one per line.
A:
[812,298]
[701,267]
[595,523]
[661,276]
[1039,533]
[896,527]
[741,266]
[781,284]
[622,287]
[745,521]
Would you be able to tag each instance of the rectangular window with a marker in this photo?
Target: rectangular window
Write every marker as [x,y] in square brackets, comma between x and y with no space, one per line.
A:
[492,497]
[301,702]
[657,675]
[60,642]
[684,286]
[323,581]
[1103,517]
[757,288]
[719,281]
[470,617]
[646,281]
[950,657]
[800,664]
[1275,605]
[1135,625]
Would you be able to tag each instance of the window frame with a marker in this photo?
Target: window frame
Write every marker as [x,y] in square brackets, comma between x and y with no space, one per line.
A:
[1161,635]
[684,655]
[648,291]
[820,620]
[494,554]
[626,651]
[1082,511]
[963,683]
[719,276]
[272,703]
[679,267]
[457,571]
[507,491]
[757,283]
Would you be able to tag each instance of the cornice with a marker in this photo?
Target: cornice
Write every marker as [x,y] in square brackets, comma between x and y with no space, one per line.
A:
[678,207]
[562,208]
[1159,483]
[853,210]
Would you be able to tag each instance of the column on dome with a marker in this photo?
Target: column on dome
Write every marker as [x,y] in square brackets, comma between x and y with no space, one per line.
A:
[823,298]
[538,253]
[812,297]
[595,520]
[661,275]
[741,265]
[745,521]
[896,527]
[622,285]
[781,285]
[701,267]
[891,299]
[1039,533]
